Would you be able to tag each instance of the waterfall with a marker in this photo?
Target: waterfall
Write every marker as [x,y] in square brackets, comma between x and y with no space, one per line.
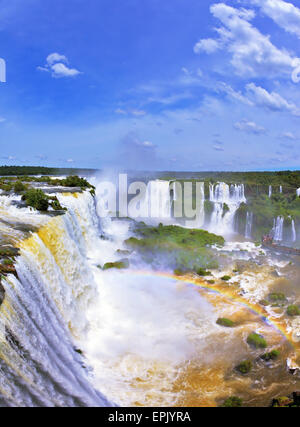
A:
[294,234]
[298,192]
[227,200]
[249,222]
[43,314]
[270,191]
[278,228]
[158,199]
[280,189]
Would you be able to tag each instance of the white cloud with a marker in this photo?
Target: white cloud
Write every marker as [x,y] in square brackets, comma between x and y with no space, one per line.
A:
[271,100]
[56,57]
[285,14]
[207,45]
[61,70]
[288,135]
[252,53]
[136,113]
[249,127]
[56,64]
[233,94]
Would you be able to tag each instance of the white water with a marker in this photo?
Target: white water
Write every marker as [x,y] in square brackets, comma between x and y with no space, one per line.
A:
[278,228]
[125,325]
[223,222]
[270,190]
[249,223]
[294,234]
[158,199]
[44,311]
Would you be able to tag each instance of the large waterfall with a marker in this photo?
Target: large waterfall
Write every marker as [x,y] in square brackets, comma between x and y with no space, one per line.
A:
[43,313]
[226,200]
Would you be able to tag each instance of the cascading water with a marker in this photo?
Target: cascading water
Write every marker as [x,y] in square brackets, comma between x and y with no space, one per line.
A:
[294,234]
[43,313]
[158,199]
[226,200]
[270,191]
[249,223]
[278,228]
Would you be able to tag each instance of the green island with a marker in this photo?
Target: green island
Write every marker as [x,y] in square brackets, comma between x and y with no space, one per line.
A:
[183,249]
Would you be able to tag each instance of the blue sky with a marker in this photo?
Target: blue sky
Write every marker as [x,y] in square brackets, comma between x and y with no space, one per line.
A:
[151,84]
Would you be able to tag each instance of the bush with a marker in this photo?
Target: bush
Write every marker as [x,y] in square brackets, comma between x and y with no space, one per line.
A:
[222,321]
[76,181]
[293,310]
[7,262]
[272,355]
[37,199]
[256,340]
[233,402]
[276,297]
[225,278]
[19,187]
[202,272]
[118,264]
[244,367]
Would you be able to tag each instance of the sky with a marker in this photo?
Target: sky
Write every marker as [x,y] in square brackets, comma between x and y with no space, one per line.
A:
[186,85]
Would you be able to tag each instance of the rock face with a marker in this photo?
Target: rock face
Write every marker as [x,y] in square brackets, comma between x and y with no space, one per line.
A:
[2,293]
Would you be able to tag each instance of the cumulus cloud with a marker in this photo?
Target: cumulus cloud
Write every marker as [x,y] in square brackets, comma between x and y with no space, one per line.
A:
[285,14]
[57,65]
[207,45]
[252,53]
[249,127]
[271,100]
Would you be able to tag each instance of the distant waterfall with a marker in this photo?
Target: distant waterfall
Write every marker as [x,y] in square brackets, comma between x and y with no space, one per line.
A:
[227,200]
[270,191]
[294,234]
[298,192]
[278,228]
[249,223]
[158,199]
[280,189]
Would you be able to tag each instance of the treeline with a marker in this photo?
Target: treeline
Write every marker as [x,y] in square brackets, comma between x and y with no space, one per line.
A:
[285,178]
[39,170]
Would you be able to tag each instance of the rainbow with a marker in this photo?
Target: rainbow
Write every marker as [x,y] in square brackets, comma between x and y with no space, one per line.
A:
[229,294]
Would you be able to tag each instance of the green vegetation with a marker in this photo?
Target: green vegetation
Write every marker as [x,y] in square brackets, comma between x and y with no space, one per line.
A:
[225,209]
[202,272]
[274,297]
[181,248]
[256,340]
[293,310]
[7,261]
[37,199]
[118,264]
[223,321]
[233,402]
[226,278]
[272,355]
[244,367]
[38,170]
[19,187]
